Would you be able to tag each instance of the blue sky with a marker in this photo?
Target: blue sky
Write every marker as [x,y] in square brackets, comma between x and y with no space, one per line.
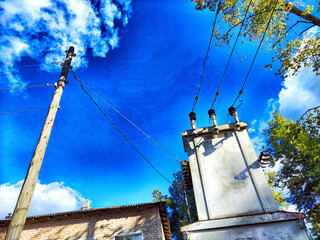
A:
[145,58]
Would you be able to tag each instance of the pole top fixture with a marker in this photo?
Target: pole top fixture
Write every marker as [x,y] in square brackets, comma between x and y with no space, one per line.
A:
[192,116]
[232,110]
[212,112]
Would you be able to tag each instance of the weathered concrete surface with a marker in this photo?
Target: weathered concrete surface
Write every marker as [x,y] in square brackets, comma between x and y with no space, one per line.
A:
[226,175]
[234,201]
[274,217]
[286,230]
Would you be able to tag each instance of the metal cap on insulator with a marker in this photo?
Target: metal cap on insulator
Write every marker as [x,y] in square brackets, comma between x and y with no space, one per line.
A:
[193,118]
[212,115]
[211,112]
[234,114]
[232,110]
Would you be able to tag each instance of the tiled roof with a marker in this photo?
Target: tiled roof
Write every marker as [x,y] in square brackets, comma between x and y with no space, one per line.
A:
[160,205]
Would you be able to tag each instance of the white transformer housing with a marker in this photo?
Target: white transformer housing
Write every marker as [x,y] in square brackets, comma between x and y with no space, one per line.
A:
[232,195]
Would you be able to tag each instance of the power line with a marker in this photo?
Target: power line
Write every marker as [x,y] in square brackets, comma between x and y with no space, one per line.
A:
[124,136]
[163,148]
[13,54]
[25,110]
[19,54]
[262,39]
[36,70]
[205,61]
[26,66]
[28,86]
[234,45]
[31,59]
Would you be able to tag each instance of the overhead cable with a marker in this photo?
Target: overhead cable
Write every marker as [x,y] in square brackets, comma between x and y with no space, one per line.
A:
[124,136]
[36,70]
[205,61]
[234,45]
[26,66]
[28,86]
[31,59]
[163,148]
[262,39]
[25,110]
[24,55]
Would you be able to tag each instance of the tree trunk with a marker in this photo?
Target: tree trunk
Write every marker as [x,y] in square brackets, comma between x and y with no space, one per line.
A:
[296,11]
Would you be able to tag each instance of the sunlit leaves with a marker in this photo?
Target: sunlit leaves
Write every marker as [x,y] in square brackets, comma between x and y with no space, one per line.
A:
[292,53]
[296,145]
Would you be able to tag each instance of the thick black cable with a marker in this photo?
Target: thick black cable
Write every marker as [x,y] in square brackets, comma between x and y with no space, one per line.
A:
[205,61]
[123,135]
[261,41]
[234,46]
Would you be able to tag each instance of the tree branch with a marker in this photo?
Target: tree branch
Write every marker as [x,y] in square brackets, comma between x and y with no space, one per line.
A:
[307,16]
[307,112]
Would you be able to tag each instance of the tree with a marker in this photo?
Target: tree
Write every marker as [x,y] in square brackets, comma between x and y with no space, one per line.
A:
[296,146]
[175,203]
[278,196]
[292,52]
[157,196]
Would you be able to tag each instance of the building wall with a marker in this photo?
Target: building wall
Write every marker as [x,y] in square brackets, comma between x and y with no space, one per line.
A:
[103,224]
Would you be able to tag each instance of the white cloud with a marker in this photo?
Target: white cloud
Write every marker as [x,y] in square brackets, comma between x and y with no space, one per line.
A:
[299,93]
[48,198]
[41,29]
[302,91]
[258,143]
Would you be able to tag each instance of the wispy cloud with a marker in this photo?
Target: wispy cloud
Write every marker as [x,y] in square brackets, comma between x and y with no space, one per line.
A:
[48,198]
[41,29]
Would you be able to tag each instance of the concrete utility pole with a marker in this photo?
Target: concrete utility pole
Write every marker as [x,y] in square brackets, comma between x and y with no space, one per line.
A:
[25,197]
[186,203]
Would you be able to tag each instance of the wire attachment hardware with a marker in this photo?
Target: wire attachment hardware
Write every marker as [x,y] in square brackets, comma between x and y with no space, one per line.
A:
[212,115]
[193,118]
[234,114]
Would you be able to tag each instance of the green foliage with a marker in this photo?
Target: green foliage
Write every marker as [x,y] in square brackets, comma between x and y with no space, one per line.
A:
[176,207]
[157,196]
[292,52]
[296,146]
[278,196]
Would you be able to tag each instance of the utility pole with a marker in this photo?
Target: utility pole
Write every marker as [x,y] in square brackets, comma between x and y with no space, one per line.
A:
[22,207]
[186,203]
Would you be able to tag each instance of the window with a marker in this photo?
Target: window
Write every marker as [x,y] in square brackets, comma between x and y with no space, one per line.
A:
[129,236]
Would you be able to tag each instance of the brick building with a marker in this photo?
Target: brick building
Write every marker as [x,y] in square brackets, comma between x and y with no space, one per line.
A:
[133,222]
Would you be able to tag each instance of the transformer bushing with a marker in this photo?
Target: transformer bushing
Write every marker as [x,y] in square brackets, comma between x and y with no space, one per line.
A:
[193,118]
[212,115]
[234,114]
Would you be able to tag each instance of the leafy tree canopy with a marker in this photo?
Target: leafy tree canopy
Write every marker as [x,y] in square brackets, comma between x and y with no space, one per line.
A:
[296,146]
[289,48]
[176,207]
